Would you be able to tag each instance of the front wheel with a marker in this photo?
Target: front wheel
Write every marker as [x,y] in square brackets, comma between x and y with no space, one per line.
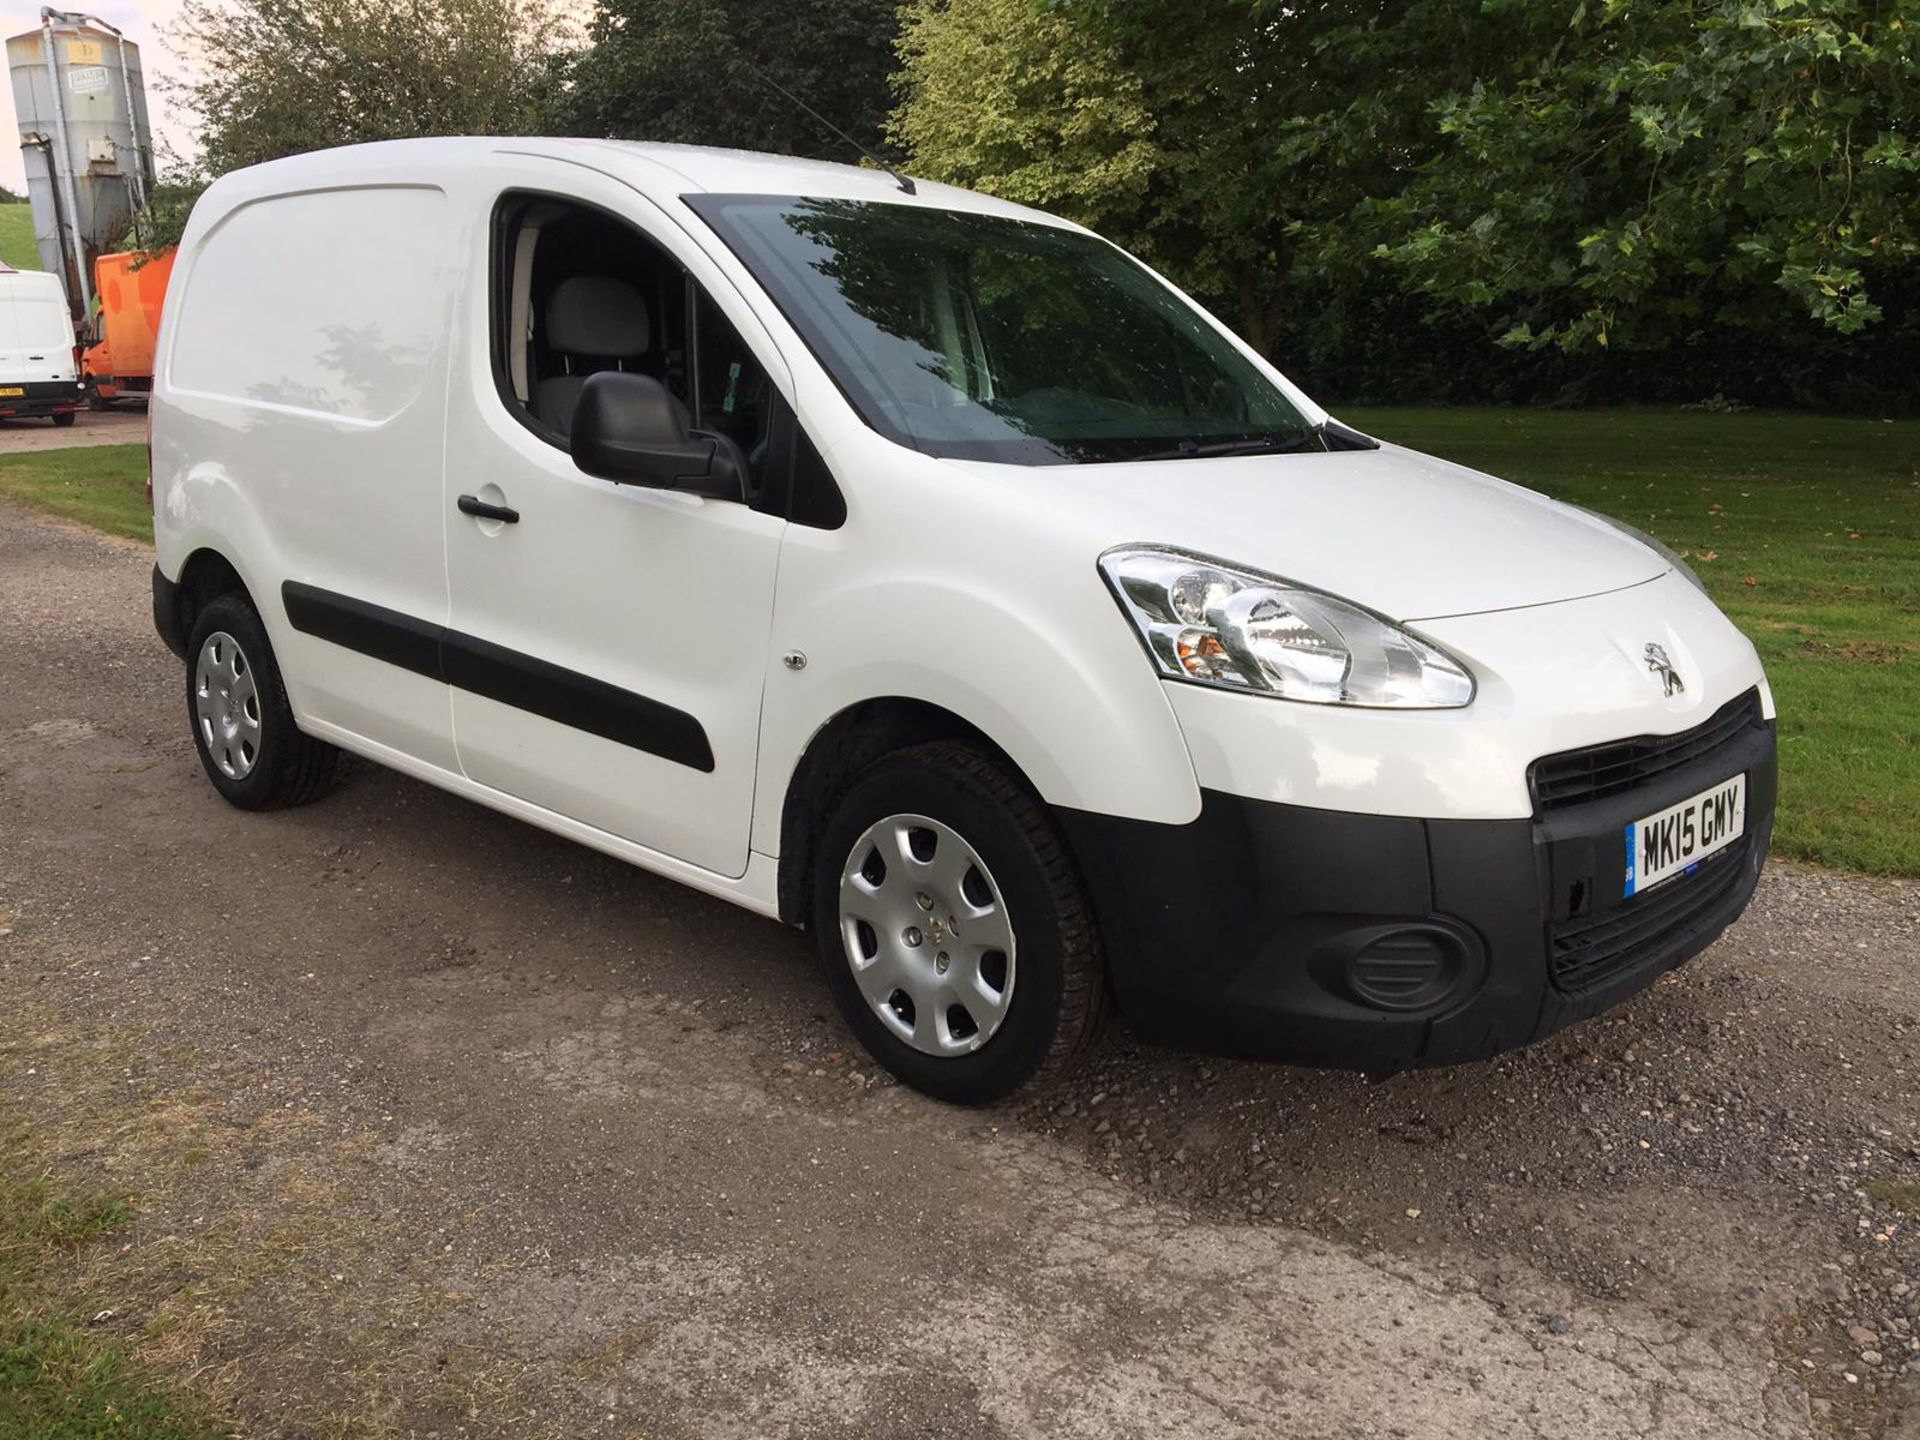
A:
[954,926]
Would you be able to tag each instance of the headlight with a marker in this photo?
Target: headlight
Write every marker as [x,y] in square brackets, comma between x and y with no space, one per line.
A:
[1634,532]
[1220,625]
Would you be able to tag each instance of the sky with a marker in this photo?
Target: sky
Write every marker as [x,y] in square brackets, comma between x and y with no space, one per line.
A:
[138,19]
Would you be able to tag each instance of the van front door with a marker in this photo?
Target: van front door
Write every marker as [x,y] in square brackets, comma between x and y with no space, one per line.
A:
[607,644]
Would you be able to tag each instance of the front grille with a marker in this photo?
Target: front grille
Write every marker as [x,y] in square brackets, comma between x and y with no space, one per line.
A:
[1589,951]
[1576,776]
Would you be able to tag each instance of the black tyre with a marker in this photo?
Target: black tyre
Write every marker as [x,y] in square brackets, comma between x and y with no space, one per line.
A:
[954,926]
[65,418]
[254,754]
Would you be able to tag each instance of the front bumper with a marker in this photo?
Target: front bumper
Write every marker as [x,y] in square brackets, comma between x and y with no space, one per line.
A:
[40,397]
[1380,942]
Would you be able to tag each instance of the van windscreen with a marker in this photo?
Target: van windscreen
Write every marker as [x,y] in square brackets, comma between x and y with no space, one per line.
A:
[988,338]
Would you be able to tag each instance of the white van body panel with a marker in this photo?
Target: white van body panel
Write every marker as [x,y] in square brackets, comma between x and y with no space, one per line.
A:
[36,332]
[1407,535]
[969,586]
[317,352]
[948,590]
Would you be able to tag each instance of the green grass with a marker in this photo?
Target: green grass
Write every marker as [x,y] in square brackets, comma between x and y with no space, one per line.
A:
[63,1376]
[16,237]
[102,485]
[1806,531]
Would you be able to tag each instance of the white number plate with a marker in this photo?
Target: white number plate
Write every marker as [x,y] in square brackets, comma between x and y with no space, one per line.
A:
[1681,836]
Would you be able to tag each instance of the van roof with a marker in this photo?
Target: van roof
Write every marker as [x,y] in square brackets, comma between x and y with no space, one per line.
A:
[34,280]
[656,170]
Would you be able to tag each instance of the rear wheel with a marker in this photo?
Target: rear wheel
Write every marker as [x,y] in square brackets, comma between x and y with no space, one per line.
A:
[254,754]
[954,927]
[65,418]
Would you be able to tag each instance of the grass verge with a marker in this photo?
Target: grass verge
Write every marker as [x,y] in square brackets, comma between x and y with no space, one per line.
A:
[264,1288]
[62,1377]
[100,485]
[1806,531]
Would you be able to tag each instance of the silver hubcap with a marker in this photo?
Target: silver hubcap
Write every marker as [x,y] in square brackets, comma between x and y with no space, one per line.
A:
[226,705]
[928,938]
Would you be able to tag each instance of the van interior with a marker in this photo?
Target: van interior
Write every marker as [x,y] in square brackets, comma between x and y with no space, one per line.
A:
[579,291]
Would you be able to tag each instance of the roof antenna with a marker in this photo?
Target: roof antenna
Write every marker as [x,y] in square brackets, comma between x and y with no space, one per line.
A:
[901,180]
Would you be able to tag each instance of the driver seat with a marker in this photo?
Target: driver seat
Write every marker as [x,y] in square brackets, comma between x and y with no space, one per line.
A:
[595,322]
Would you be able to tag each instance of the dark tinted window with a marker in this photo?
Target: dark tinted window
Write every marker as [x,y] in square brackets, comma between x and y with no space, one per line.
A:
[983,337]
[650,318]
[733,395]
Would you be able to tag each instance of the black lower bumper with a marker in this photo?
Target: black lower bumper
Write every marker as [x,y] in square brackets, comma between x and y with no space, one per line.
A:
[166,613]
[1382,943]
[40,397]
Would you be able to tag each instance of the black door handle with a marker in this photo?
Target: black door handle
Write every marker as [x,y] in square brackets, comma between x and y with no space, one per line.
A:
[475,506]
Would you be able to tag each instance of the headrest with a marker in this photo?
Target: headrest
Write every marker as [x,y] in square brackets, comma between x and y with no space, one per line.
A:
[597,315]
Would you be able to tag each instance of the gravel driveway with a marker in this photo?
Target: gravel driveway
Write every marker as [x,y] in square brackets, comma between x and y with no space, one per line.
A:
[440,1125]
[125,424]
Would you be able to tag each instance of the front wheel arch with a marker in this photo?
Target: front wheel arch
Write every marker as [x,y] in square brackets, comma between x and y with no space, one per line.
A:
[840,750]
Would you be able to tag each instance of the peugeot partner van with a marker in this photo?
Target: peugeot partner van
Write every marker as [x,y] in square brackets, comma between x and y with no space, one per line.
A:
[37,375]
[922,570]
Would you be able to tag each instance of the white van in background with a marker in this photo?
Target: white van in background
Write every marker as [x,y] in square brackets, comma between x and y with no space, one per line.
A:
[37,374]
[919,568]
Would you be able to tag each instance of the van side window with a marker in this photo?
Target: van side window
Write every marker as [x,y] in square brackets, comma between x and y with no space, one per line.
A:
[577,291]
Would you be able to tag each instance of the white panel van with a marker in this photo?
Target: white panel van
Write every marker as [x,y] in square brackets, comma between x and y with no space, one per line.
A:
[37,374]
[922,570]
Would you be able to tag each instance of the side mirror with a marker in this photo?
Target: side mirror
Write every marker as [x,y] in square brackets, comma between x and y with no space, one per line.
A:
[628,429]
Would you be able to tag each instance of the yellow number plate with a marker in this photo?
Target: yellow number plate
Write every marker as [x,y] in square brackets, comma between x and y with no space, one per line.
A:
[11,390]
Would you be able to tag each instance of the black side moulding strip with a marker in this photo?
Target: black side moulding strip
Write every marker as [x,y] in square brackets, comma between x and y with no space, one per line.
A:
[494,672]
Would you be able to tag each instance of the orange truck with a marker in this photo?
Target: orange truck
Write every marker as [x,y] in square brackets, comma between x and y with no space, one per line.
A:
[118,359]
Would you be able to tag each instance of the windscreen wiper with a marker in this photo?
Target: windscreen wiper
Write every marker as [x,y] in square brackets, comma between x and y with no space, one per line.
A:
[1308,438]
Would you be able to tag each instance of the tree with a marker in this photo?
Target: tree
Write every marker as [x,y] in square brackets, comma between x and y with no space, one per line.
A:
[1176,127]
[1009,99]
[694,71]
[169,204]
[1388,188]
[1638,170]
[277,77]
[1159,124]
